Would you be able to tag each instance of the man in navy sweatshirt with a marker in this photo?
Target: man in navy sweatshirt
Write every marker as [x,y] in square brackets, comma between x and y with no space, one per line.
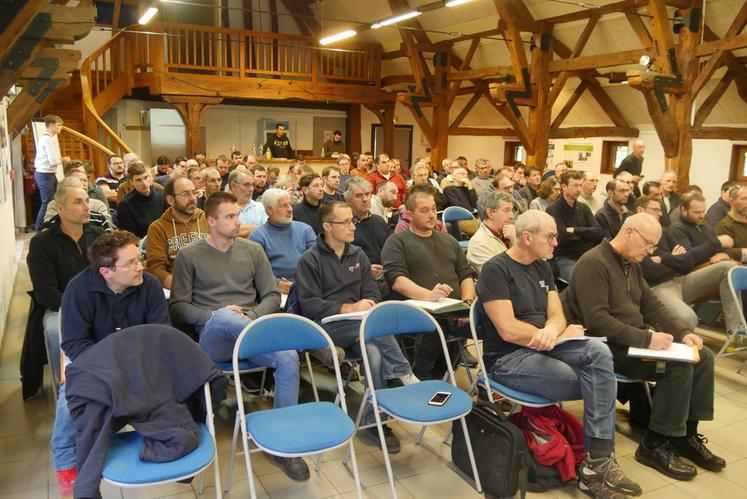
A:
[143,204]
[334,277]
[283,239]
[111,294]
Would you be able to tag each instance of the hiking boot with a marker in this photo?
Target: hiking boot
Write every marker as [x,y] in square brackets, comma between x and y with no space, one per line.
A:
[65,480]
[371,436]
[295,467]
[607,471]
[694,449]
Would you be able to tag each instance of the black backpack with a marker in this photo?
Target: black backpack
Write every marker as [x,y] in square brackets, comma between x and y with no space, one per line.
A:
[501,453]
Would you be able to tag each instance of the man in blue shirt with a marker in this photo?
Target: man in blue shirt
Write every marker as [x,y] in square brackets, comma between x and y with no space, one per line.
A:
[112,294]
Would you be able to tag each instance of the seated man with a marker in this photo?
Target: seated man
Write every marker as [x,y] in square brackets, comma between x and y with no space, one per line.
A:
[382,202]
[211,180]
[220,285]
[251,213]
[720,208]
[141,206]
[384,174]
[483,177]
[371,232]
[55,256]
[588,187]
[734,224]
[283,239]
[425,264]
[708,267]
[331,180]
[614,210]
[610,296]
[110,182]
[522,322]
[307,211]
[99,214]
[578,232]
[111,294]
[496,232]
[334,277]
[670,200]
[260,178]
[183,223]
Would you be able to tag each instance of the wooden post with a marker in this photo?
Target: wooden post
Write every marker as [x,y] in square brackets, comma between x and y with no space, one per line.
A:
[191,109]
[539,116]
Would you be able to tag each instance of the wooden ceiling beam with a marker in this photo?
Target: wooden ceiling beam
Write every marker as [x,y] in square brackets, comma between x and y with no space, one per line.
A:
[568,106]
[733,43]
[483,132]
[10,35]
[488,72]
[593,131]
[735,64]
[599,61]
[517,122]
[662,34]
[720,133]
[639,27]
[710,102]
[612,8]
[466,109]
[560,80]
[506,11]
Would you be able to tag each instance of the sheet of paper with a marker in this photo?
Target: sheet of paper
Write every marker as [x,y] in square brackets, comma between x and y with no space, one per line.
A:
[350,316]
[581,338]
[435,306]
[678,351]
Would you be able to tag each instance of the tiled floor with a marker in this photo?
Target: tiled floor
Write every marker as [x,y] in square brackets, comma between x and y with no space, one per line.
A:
[420,471]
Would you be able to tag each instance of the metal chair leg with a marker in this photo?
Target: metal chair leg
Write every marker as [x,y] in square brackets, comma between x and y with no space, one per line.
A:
[311,377]
[227,486]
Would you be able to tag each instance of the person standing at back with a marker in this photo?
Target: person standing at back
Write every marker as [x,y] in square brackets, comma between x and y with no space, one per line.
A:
[46,162]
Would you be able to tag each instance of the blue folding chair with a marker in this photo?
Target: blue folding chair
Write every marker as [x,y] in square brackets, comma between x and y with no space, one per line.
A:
[124,468]
[299,430]
[737,284]
[517,398]
[453,215]
[409,403]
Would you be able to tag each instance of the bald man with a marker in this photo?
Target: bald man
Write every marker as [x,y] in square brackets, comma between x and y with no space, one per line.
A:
[633,164]
[618,304]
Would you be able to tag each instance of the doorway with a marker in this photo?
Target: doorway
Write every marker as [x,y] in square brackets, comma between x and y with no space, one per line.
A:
[402,143]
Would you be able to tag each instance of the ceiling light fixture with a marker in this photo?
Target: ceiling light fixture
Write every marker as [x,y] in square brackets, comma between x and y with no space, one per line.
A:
[454,3]
[396,19]
[337,37]
[148,15]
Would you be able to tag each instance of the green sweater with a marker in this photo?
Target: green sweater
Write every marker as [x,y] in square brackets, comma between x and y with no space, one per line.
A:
[426,261]
[206,279]
[737,231]
[611,298]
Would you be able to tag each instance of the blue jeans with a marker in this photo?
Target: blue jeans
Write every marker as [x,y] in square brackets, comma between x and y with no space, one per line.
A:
[385,358]
[571,371]
[63,435]
[47,183]
[564,266]
[218,337]
[52,337]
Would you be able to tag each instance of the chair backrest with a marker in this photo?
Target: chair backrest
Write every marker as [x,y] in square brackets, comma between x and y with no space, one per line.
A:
[396,317]
[738,283]
[475,315]
[456,213]
[278,332]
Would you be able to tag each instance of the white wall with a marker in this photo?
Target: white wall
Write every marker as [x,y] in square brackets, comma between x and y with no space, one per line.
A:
[8,263]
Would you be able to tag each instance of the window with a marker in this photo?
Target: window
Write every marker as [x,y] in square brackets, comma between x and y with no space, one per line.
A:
[513,153]
[612,155]
[738,170]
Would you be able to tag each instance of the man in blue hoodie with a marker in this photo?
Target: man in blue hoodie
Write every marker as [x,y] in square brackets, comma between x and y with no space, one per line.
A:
[111,294]
[334,277]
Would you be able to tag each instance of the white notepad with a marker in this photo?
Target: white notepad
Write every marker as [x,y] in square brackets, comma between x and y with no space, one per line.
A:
[678,352]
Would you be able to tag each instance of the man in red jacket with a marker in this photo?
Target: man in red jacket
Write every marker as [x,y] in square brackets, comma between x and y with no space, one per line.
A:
[384,174]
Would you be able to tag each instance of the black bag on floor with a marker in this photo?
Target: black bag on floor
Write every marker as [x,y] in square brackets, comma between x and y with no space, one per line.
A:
[501,453]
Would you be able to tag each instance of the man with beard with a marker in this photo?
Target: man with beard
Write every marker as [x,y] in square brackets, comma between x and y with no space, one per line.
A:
[109,183]
[734,224]
[610,216]
[182,224]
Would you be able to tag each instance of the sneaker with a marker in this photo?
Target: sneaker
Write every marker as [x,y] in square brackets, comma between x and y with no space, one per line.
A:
[409,379]
[371,436]
[599,490]
[324,356]
[65,480]
[606,471]
[694,449]
[295,467]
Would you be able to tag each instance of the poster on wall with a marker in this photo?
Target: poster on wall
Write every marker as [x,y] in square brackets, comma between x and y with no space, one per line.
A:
[4,153]
[578,156]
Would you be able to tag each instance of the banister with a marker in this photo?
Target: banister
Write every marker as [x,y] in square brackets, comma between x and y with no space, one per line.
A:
[87,140]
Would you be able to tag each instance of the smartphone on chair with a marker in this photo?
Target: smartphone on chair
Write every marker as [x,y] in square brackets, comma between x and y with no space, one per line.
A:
[439,398]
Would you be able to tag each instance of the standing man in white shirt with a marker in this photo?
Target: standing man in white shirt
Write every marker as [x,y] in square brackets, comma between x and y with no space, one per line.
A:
[48,159]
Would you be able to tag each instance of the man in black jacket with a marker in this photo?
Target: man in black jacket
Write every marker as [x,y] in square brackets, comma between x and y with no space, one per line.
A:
[578,232]
[371,232]
[704,266]
[633,164]
[670,200]
[334,277]
[610,216]
[143,204]
[307,211]
[278,144]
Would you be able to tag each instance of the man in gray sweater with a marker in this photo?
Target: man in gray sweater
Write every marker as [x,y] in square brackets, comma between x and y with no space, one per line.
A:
[220,284]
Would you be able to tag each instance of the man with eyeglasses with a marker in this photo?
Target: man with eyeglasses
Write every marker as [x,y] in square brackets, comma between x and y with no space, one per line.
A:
[523,330]
[143,204]
[334,277]
[183,223]
[610,216]
[113,293]
[609,294]
[701,268]
[251,213]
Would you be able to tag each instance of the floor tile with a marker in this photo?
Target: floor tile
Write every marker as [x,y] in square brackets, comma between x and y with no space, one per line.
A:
[24,475]
[438,484]
[412,460]
[381,492]
[371,473]
[279,485]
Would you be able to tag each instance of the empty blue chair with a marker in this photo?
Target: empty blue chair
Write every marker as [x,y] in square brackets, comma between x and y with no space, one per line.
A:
[409,403]
[737,284]
[453,215]
[299,430]
[124,468]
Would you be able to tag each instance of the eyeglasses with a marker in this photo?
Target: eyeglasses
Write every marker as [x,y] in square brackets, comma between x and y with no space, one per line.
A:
[132,264]
[648,245]
[549,237]
[349,221]
[186,194]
